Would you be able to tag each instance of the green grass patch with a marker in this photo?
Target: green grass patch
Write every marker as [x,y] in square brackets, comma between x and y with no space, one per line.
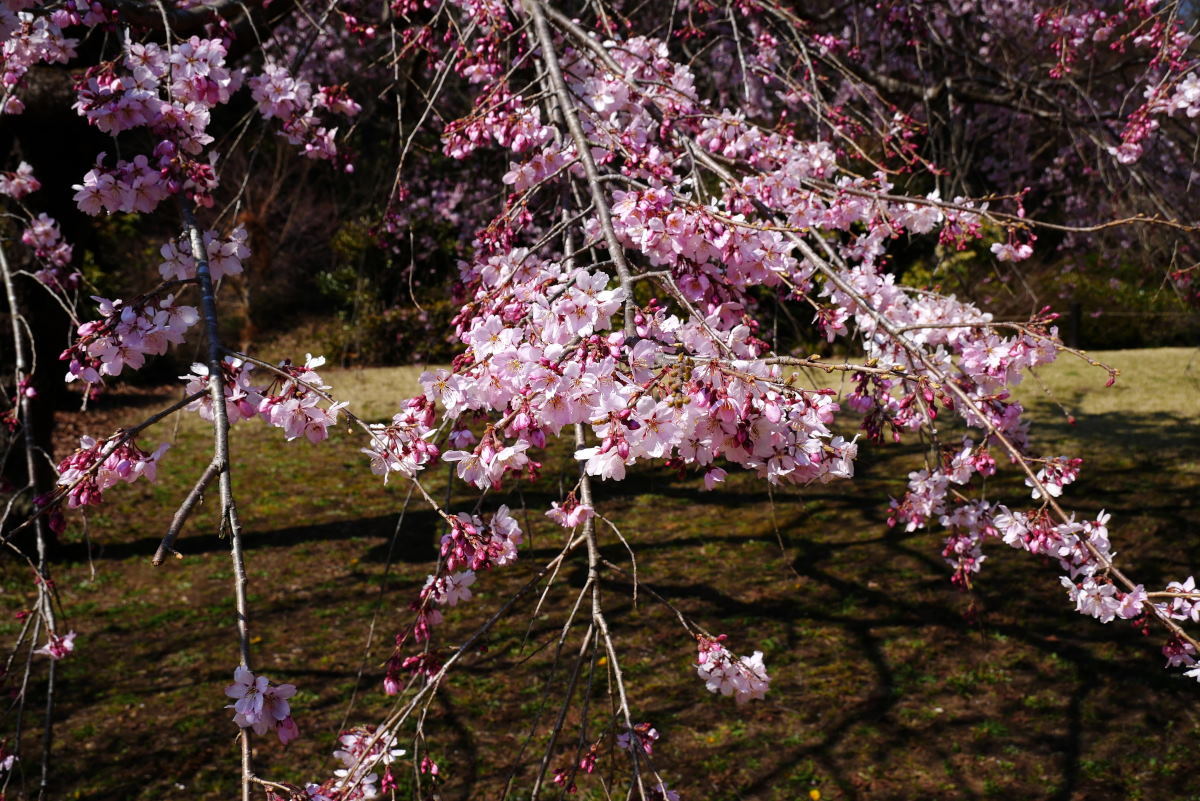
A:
[883,686]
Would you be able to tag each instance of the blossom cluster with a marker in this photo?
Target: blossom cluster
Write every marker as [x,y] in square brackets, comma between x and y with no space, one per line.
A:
[712,252]
[29,39]
[294,403]
[361,752]
[19,183]
[538,356]
[404,446]
[131,186]
[449,589]
[743,677]
[476,545]
[58,645]
[45,239]
[702,249]
[502,118]
[125,335]
[1081,548]
[261,706]
[242,398]
[571,513]
[641,737]
[291,100]
[1103,600]
[970,522]
[1186,97]
[637,741]
[171,91]
[472,544]
[97,466]
[41,234]
[225,256]
[290,401]
[1187,605]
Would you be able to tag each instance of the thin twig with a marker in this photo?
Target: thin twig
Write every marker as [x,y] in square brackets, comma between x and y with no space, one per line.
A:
[183,512]
[44,603]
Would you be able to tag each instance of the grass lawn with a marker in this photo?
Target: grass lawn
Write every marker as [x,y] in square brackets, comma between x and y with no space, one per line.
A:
[887,682]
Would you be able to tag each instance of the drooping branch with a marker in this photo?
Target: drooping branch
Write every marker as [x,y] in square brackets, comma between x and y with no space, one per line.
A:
[583,149]
[184,512]
[45,604]
[229,515]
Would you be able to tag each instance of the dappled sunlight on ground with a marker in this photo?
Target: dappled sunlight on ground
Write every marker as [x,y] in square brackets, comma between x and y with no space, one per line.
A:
[883,686]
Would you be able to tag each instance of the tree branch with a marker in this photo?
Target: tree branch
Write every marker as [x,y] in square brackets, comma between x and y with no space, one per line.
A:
[229,514]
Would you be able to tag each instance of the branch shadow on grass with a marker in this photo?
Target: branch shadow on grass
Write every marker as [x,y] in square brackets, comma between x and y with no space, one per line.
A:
[1099,673]
[877,706]
[415,544]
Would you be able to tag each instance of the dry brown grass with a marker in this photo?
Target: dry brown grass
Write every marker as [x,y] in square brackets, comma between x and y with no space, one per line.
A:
[374,393]
[1155,380]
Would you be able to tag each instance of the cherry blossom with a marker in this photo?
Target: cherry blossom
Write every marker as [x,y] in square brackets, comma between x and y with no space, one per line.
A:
[45,238]
[242,398]
[289,99]
[7,758]
[96,466]
[745,678]
[449,590]
[476,545]
[58,646]
[1009,252]
[125,335]
[623,267]
[1186,607]
[19,183]
[361,751]
[294,403]
[1102,600]
[1056,474]
[642,736]
[225,257]
[571,513]
[260,706]
[404,446]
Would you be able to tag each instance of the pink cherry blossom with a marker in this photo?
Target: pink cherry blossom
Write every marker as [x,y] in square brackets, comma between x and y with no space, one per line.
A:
[225,257]
[260,706]
[96,467]
[20,183]
[58,646]
[745,678]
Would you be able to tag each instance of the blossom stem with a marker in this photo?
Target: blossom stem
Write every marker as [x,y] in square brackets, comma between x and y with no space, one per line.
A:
[121,437]
[229,515]
[584,150]
[562,712]
[184,512]
[45,605]
[598,619]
